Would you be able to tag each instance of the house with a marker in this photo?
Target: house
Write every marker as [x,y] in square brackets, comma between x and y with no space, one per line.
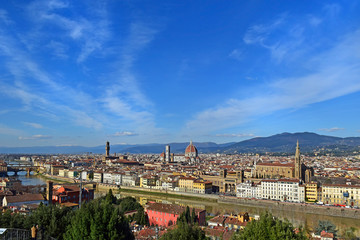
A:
[24,199]
[217,221]
[167,214]
[62,194]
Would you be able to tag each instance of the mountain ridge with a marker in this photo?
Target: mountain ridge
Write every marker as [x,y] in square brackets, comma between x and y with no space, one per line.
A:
[283,142]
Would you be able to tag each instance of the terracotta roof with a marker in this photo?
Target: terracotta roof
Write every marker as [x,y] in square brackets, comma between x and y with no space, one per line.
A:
[326,234]
[218,219]
[24,198]
[190,149]
[170,208]
[276,164]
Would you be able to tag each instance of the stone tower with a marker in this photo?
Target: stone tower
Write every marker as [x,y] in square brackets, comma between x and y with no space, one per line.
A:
[107,149]
[167,153]
[49,191]
[297,162]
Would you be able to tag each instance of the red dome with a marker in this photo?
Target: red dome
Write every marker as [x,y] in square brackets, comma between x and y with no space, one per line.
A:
[190,149]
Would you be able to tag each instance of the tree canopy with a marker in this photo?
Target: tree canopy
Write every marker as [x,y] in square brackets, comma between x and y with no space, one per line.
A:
[186,228]
[269,228]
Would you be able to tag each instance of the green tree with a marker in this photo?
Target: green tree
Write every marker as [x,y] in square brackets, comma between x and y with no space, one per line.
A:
[128,204]
[269,228]
[110,197]
[51,219]
[140,217]
[184,231]
[327,226]
[98,219]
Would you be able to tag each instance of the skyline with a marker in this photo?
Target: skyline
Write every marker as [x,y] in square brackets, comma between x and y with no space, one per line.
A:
[134,72]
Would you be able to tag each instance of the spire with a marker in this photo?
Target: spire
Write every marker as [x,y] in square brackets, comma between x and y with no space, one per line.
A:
[191,142]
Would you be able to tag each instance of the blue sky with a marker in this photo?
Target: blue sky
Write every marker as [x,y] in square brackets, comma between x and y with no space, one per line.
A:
[84,72]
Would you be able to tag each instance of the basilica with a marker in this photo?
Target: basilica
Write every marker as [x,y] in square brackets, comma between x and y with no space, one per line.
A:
[296,170]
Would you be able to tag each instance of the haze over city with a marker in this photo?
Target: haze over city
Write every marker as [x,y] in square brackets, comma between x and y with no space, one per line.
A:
[82,73]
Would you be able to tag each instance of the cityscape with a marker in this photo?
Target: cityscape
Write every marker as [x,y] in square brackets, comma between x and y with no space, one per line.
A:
[179,120]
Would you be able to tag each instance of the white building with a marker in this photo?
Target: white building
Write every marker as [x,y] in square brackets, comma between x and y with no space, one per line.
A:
[247,190]
[283,190]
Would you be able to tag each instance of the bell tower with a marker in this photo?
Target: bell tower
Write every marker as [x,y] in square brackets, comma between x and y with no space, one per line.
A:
[107,149]
[298,174]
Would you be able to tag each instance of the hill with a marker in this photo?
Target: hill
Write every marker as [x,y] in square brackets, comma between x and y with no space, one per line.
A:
[279,143]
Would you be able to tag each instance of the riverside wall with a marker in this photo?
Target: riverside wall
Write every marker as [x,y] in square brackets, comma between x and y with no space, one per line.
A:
[294,207]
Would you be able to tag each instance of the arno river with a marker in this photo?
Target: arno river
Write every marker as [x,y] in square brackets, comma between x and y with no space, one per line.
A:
[296,218]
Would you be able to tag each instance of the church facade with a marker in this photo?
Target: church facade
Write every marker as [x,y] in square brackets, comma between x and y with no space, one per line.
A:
[275,170]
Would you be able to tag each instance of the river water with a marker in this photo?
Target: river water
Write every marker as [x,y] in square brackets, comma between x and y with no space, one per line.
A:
[26,181]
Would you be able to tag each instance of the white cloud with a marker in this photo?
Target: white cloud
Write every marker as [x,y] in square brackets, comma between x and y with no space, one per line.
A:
[35,137]
[334,129]
[334,73]
[124,133]
[34,125]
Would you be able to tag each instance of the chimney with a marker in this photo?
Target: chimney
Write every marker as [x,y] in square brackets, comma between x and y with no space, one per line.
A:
[49,191]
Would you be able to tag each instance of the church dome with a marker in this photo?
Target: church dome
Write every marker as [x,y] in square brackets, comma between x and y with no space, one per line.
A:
[191,150]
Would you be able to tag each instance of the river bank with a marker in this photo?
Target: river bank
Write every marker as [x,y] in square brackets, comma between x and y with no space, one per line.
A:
[265,204]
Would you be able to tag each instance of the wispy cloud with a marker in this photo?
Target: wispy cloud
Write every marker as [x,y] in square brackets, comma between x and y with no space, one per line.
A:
[334,73]
[6,130]
[282,37]
[238,135]
[4,17]
[35,137]
[124,97]
[90,32]
[34,125]
[334,129]
[236,54]
[124,134]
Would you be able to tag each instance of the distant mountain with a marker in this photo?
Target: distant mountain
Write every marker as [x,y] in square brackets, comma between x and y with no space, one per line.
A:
[284,142]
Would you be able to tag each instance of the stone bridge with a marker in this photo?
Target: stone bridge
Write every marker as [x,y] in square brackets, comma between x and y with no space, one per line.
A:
[21,166]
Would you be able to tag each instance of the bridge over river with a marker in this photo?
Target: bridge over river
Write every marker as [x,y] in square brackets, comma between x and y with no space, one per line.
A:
[20,166]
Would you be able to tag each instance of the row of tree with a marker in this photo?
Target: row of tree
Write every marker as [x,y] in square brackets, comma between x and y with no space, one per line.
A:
[102,218]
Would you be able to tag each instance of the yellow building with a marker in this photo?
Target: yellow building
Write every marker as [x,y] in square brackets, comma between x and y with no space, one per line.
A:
[201,186]
[148,181]
[311,192]
[341,194]
[186,184]
[226,181]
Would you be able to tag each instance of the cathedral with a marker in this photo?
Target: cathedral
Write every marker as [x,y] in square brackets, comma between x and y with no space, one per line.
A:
[191,155]
[296,170]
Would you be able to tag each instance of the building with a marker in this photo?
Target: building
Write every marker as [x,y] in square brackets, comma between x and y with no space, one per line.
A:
[186,184]
[202,187]
[289,190]
[342,194]
[277,170]
[24,199]
[165,215]
[226,181]
[311,191]
[247,190]
[64,194]
[191,153]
